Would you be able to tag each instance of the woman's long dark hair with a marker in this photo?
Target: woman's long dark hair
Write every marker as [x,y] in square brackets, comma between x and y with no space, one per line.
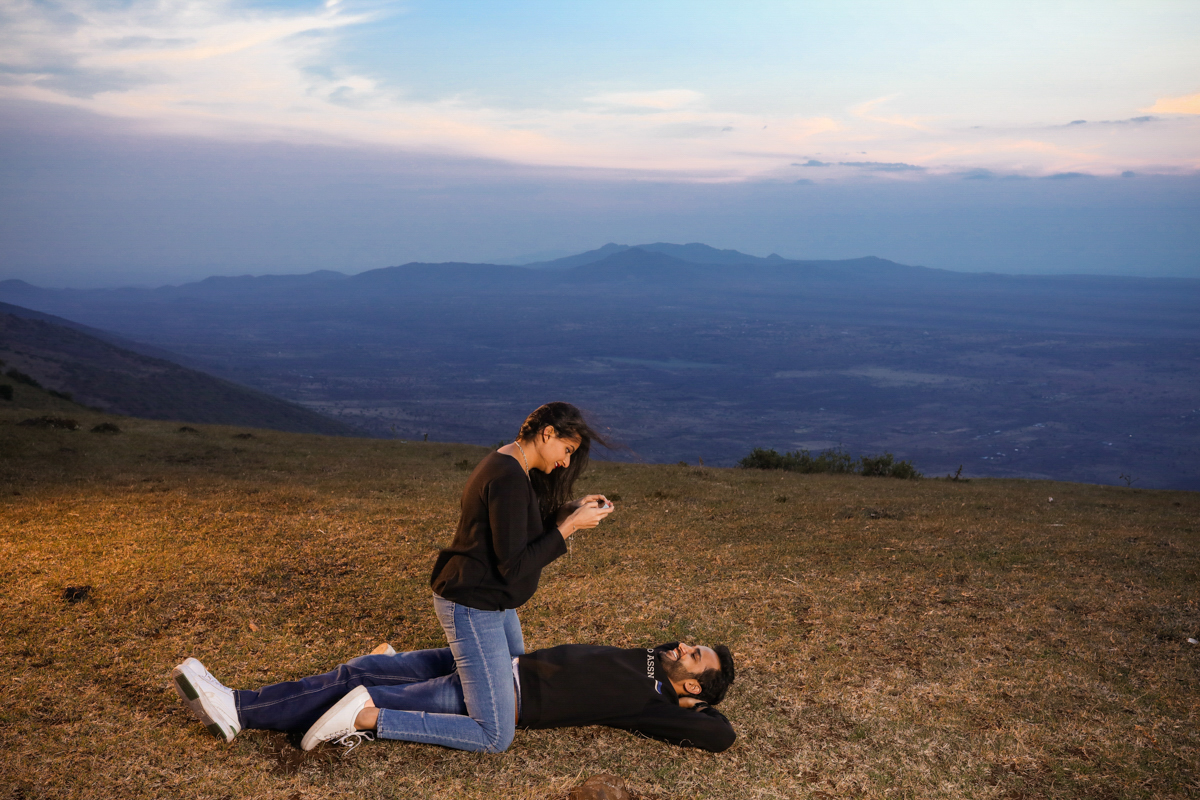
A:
[555,488]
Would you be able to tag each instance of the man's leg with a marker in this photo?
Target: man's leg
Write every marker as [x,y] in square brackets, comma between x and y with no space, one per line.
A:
[442,695]
[298,704]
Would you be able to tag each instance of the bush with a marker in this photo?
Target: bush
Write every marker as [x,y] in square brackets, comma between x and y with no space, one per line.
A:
[6,392]
[836,462]
[827,461]
[762,459]
[905,471]
[60,395]
[21,377]
[62,423]
[886,466]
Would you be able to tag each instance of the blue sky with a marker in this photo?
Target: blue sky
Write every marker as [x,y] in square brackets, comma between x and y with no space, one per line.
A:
[165,141]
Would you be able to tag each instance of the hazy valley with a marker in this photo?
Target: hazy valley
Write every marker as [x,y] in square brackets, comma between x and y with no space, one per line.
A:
[1072,378]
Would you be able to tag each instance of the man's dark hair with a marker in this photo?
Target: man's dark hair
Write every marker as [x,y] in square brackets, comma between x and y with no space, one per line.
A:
[715,682]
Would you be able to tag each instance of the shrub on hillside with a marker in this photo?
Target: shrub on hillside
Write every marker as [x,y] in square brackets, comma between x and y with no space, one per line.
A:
[886,466]
[62,423]
[837,462]
[21,377]
[6,392]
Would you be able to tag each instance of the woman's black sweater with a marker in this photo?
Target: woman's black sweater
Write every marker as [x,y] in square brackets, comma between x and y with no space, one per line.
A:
[502,543]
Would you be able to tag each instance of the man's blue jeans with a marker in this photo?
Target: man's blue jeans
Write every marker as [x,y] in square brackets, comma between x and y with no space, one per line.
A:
[423,680]
[484,644]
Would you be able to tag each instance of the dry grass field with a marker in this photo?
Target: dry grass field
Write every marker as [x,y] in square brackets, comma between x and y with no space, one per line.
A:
[895,639]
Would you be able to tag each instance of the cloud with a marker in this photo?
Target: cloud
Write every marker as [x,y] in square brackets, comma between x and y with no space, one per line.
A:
[227,70]
[1131,121]
[660,100]
[1189,104]
[866,111]
[1067,176]
[882,166]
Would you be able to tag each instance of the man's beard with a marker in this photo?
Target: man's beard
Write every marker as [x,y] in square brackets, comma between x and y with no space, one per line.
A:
[674,669]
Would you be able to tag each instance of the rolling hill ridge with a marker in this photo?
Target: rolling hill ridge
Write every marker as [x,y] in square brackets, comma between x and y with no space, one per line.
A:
[101,375]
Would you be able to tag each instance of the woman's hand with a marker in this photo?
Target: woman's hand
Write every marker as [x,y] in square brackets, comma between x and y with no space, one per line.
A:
[587,512]
[566,509]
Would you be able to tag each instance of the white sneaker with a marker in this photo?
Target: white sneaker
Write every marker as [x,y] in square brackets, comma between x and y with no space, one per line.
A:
[208,698]
[337,724]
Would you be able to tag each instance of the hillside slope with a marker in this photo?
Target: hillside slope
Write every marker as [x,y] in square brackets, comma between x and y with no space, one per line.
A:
[995,639]
[111,378]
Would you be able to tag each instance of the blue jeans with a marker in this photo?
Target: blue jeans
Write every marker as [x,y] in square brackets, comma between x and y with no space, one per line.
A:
[423,680]
[484,644]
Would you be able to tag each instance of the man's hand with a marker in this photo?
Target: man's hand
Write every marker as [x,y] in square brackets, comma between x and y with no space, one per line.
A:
[691,702]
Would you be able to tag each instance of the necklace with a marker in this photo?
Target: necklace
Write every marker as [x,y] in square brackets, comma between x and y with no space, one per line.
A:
[523,458]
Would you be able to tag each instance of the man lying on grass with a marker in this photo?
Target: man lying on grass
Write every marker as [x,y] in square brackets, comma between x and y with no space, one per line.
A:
[666,692]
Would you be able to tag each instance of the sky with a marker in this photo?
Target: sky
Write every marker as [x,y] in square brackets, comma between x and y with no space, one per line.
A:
[145,143]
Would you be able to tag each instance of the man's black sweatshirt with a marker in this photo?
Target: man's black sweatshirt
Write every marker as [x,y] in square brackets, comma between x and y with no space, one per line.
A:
[580,684]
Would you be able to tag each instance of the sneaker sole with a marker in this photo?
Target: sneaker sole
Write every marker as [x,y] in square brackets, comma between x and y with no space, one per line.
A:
[186,689]
[191,698]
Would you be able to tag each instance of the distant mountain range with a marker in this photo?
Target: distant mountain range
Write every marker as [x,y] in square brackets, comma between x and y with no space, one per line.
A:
[694,253]
[688,351]
[89,366]
[865,288]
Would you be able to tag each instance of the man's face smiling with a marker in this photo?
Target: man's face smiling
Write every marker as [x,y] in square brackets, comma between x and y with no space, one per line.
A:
[688,661]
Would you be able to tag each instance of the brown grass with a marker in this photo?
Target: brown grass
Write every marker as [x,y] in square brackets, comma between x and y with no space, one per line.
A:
[895,639]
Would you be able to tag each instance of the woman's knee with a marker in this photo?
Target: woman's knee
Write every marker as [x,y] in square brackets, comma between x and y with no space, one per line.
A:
[501,741]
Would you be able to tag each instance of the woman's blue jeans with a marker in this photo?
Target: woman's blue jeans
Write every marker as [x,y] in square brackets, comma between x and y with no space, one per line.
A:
[484,644]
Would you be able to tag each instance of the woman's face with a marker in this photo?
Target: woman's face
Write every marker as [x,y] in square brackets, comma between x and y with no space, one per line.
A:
[557,450]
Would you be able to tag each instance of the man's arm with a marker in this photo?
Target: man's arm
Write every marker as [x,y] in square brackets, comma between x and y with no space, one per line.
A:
[701,726]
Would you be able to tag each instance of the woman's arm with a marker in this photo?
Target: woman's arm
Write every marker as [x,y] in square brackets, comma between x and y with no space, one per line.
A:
[587,512]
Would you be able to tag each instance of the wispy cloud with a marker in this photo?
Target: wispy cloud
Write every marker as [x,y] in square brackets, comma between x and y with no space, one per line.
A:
[883,166]
[867,111]
[221,69]
[661,100]
[1189,104]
